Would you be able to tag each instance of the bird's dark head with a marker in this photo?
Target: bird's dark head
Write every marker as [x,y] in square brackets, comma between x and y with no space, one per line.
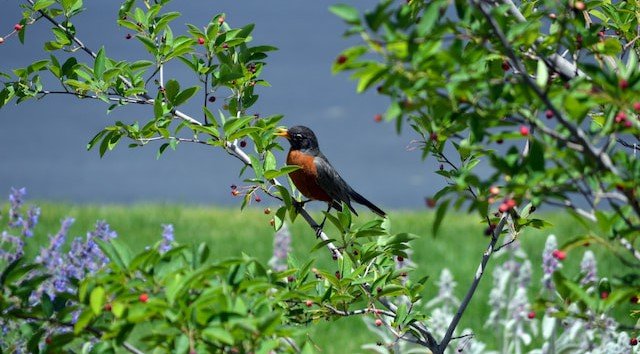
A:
[300,137]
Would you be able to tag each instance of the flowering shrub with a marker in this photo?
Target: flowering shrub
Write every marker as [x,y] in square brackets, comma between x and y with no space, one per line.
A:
[551,322]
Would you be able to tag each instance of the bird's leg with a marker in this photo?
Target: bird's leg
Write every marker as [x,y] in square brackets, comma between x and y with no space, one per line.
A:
[320,227]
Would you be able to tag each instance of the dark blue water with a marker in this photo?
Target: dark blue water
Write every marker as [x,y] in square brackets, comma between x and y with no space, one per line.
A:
[42,143]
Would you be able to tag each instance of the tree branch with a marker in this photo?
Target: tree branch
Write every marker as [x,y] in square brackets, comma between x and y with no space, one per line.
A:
[474,285]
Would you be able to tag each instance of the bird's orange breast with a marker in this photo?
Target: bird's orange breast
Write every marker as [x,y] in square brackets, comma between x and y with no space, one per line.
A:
[305,179]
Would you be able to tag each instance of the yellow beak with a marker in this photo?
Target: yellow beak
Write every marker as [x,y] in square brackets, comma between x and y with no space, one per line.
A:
[283,132]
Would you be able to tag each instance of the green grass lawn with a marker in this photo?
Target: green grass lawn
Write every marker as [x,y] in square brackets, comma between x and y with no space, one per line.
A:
[458,246]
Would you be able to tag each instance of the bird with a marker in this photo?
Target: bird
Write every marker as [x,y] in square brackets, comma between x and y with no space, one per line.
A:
[316,178]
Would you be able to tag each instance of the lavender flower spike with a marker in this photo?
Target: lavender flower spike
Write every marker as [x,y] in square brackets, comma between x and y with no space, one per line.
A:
[16,198]
[588,268]
[33,214]
[167,238]
[281,249]
[549,263]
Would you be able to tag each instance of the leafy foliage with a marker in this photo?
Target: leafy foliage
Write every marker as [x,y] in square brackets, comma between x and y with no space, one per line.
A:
[465,77]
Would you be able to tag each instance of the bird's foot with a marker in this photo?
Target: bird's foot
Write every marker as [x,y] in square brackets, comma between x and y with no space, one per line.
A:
[299,204]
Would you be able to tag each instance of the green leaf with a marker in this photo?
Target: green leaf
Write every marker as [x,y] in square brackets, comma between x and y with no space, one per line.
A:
[217,334]
[440,213]
[270,174]
[97,300]
[83,321]
[42,4]
[183,96]
[347,12]
[542,74]
[171,89]
[99,64]
[428,20]
[233,124]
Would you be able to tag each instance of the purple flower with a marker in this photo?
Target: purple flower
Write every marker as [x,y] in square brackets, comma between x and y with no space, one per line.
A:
[281,249]
[16,198]
[14,248]
[167,238]
[549,263]
[33,214]
[588,269]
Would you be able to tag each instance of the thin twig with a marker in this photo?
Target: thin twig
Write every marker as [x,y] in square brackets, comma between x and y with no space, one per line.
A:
[474,285]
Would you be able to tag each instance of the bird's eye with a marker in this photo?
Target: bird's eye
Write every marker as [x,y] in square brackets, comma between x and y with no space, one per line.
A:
[298,136]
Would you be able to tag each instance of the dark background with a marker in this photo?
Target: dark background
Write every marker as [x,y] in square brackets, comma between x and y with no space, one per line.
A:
[42,143]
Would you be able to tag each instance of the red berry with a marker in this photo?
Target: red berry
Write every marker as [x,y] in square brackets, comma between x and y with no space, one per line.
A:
[243,144]
[107,307]
[225,46]
[272,222]
[553,16]
[634,299]
[267,211]
[636,106]
[378,322]
[291,279]
[620,117]
[48,340]
[128,36]
[559,255]
[511,203]
[200,40]
[531,315]
[341,59]
[433,136]
[604,295]
[338,274]
[220,20]
[235,192]
[524,131]
[628,124]
[258,199]
[633,341]
[400,259]
[579,5]
[548,113]
[308,303]
[506,66]
[377,118]
[18,27]
[623,84]
[144,297]
[494,190]
[503,207]
[431,203]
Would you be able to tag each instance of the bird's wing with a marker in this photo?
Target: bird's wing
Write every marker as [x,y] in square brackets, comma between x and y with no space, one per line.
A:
[331,182]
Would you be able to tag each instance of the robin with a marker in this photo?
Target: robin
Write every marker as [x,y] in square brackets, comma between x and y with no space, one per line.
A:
[317,179]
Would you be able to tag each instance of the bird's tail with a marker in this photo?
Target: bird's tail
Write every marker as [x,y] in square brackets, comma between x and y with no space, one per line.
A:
[362,200]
